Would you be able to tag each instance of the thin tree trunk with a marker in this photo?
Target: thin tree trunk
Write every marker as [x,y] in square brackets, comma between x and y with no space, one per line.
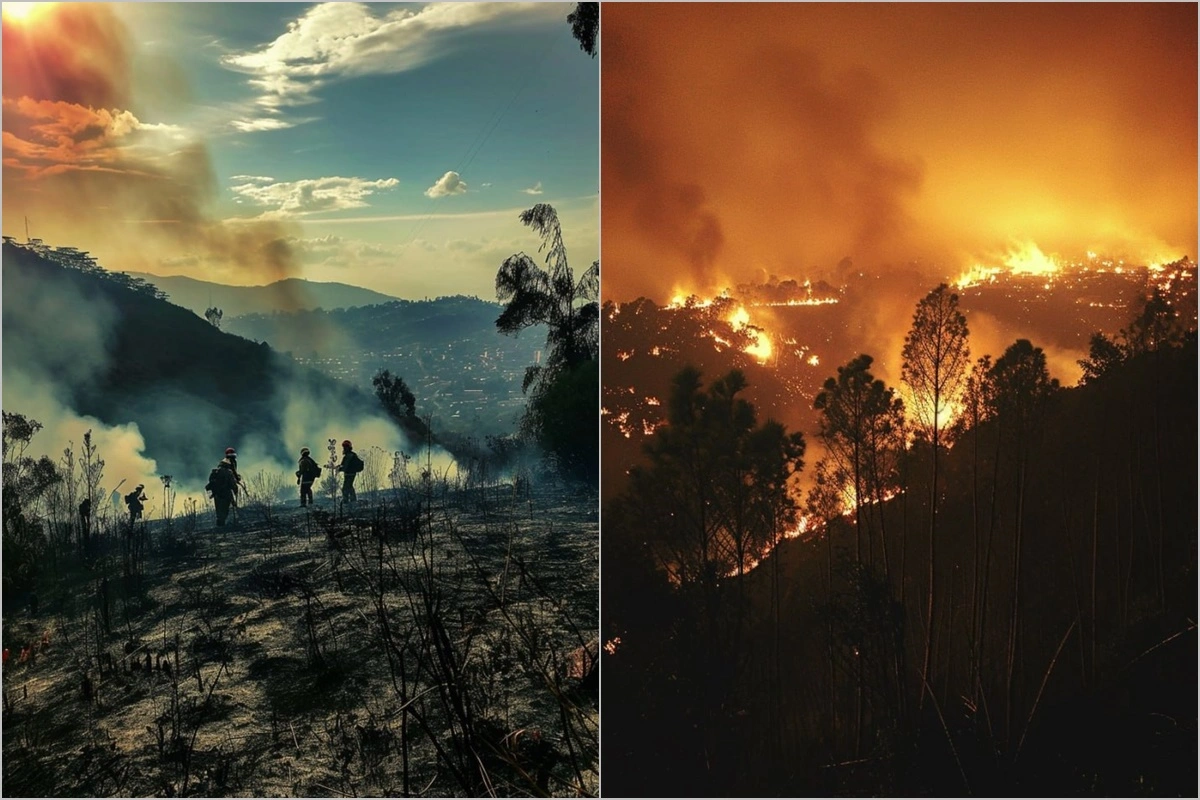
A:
[987,550]
[976,558]
[929,632]
[1015,618]
[1158,468]
[1095,544]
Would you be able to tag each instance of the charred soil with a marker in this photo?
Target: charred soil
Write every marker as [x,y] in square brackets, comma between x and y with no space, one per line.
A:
[436,639]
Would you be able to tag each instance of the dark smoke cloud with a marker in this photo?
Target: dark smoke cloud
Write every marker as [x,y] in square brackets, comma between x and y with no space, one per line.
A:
[81,165]
[673,213]
[755,145]
[938,133]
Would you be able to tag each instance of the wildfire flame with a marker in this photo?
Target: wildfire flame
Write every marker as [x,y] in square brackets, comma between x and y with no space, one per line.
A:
[760,343]
[1030,260]
[1025,258]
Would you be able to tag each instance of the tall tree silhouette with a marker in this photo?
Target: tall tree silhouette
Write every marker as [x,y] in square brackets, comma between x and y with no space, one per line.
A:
[978,406]
[862,427]
[1020,387]
[716,485]
[936,356]
[712,498]
[562,411]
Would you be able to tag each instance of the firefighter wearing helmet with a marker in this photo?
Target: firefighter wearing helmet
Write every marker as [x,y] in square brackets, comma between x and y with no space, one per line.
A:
[223,483]
[231,460]
[307,473]
[351,465]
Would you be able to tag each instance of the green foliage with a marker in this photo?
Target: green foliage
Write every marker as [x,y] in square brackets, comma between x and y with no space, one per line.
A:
[27,480]
[562,418]
[565,390]
[585,26]
[399,402]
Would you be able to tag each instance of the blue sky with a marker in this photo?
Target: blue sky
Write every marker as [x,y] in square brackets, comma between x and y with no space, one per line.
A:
[391,145]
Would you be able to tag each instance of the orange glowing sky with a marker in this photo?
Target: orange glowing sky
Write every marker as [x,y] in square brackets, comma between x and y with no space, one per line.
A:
[748,140]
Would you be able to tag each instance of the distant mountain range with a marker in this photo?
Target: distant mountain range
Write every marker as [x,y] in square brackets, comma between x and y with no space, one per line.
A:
[291,294]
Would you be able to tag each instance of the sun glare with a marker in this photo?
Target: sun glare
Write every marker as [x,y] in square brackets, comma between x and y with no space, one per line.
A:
[19,12]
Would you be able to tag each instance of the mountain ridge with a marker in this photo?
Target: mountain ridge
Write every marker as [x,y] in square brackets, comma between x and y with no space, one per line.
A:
[287,294]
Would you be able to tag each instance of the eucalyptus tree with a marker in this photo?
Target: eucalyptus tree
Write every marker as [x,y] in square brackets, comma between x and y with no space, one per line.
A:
[563,411]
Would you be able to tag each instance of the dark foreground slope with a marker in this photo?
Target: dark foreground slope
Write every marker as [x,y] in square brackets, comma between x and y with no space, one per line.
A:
[105,350]
[1077,679]
[437,641]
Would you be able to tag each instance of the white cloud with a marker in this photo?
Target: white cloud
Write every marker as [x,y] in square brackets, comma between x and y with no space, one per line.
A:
[264,124]
[448,184]
[535,189]
[291,198]
[252,178]
[337,40]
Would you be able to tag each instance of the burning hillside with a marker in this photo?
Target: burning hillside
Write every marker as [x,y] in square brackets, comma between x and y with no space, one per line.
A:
[789,335]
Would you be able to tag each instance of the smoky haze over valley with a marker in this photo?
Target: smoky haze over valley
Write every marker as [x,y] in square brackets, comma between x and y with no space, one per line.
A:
[163,391]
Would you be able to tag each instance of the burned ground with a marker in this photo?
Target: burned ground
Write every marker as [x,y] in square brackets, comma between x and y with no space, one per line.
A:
[438,639]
